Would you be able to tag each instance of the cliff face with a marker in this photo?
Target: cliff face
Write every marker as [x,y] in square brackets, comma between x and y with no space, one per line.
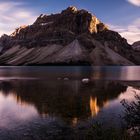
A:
[136,46]
[72,37]
[72,19]
[58,28]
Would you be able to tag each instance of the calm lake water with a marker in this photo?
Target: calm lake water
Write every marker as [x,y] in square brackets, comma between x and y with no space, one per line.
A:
[54,102]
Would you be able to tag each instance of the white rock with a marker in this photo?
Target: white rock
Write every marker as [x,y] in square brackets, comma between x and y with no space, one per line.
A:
[66,79]
[85,80]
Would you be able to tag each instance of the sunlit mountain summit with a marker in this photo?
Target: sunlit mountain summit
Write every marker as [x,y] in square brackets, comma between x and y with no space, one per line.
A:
[72,37]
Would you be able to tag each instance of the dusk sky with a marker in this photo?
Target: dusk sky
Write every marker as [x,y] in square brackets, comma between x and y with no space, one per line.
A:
[120,15]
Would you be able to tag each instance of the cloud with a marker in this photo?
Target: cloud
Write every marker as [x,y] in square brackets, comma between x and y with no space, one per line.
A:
[13,15]
[134,2]
[130,32]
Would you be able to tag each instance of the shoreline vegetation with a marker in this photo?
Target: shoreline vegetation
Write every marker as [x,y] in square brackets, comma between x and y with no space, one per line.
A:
[132,117]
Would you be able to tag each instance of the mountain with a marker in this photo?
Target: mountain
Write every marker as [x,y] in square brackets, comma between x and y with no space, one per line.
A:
[136,46]
[72,37]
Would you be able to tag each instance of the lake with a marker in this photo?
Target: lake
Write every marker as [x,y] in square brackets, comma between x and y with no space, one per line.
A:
[42,103]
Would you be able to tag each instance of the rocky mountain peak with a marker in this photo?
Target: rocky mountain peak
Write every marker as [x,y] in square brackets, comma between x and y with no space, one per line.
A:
[71,21]
[50,33]
[61,28]
[70,9]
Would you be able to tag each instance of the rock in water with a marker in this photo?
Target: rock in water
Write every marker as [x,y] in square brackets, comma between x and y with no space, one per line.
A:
[85,80]
[72,37]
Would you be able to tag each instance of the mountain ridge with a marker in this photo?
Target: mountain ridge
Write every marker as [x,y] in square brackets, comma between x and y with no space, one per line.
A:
[70,37]
[136,45]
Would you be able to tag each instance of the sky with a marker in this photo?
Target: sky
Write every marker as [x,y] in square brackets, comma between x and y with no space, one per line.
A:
[122,16]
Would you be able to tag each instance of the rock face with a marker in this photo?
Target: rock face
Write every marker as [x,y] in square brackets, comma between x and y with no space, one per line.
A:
[70,37]
[136,46]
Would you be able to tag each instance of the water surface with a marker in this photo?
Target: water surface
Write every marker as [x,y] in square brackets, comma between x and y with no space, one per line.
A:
[54,102]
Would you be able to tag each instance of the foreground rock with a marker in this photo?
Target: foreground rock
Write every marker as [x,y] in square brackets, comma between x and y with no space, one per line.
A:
[72,37]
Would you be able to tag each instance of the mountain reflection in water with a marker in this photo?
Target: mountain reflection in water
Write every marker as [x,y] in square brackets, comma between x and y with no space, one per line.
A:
[93,106]
[65,99]
[45,107]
